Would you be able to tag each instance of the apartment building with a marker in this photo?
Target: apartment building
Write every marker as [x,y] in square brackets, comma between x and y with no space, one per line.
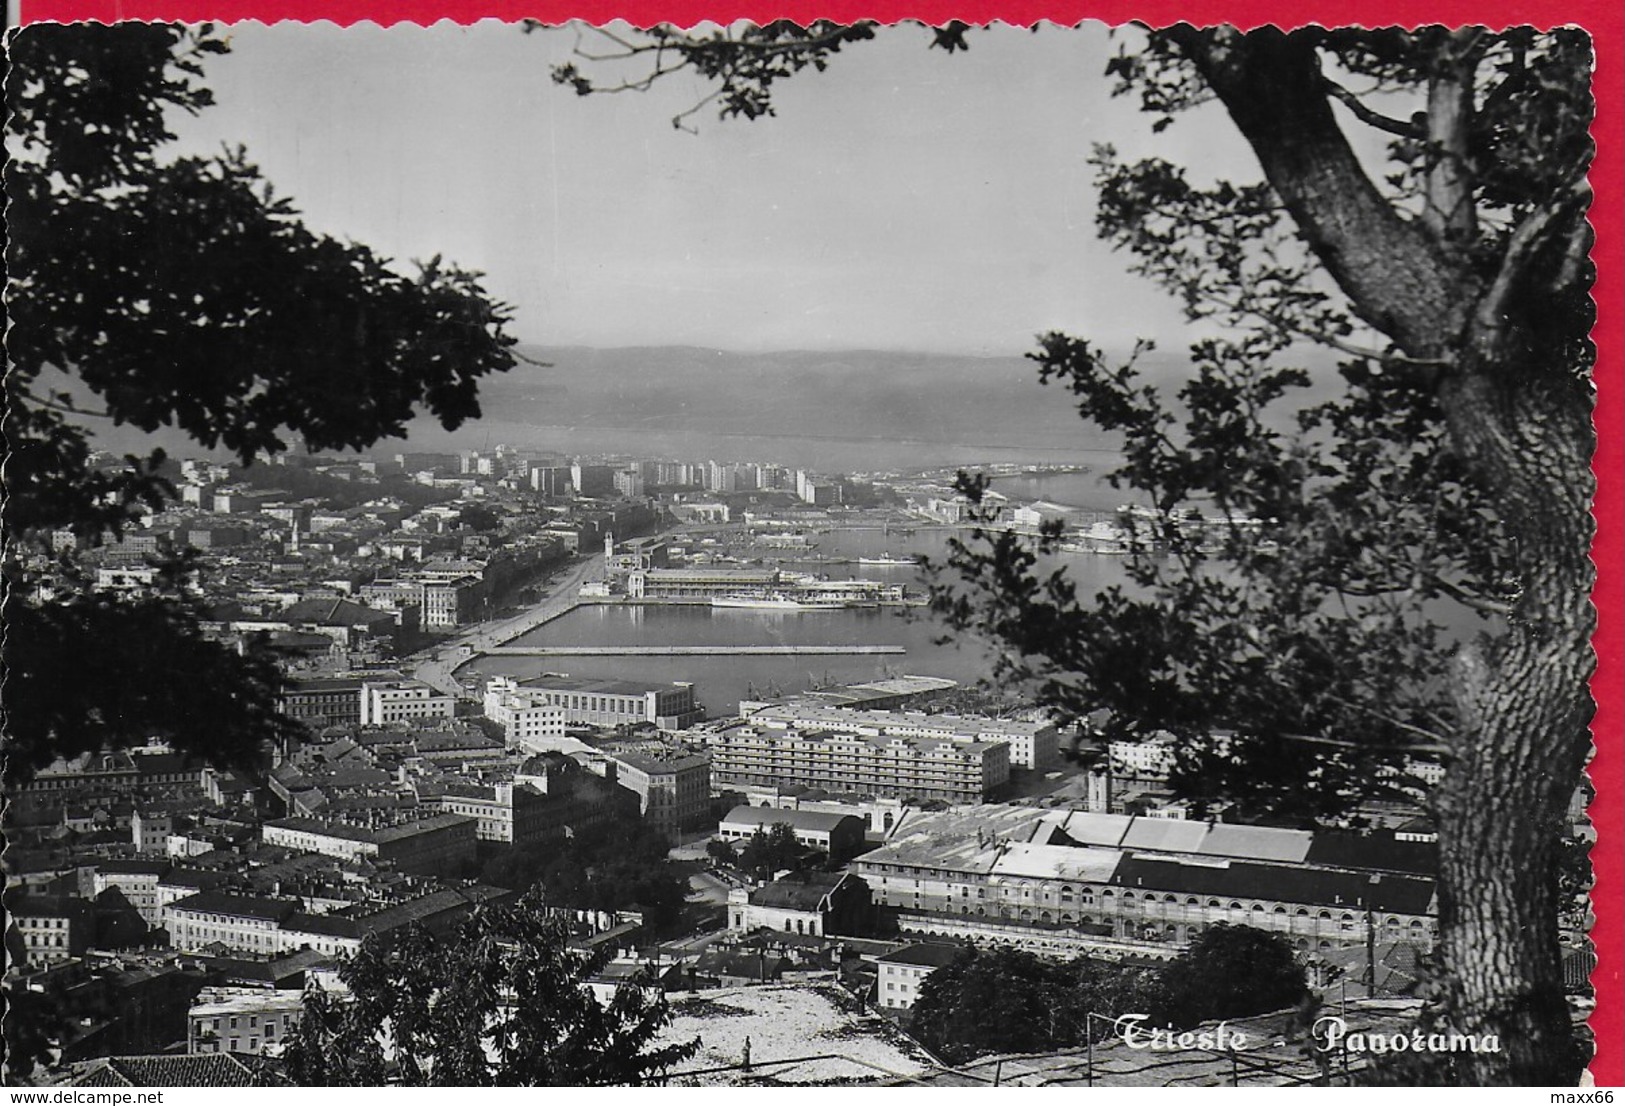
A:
[433,845]
[1032,744]
[892,766]
[243,1019]
[673,787]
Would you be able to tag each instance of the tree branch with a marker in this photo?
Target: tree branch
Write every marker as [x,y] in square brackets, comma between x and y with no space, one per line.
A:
[1369,117]
[1527,240]
[1391,269]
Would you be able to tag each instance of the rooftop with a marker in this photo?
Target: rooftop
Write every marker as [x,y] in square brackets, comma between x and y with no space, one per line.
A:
[814,821]
[597,687]
[924,956]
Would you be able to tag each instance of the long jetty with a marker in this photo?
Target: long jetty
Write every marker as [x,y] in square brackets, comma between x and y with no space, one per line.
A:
[690,650]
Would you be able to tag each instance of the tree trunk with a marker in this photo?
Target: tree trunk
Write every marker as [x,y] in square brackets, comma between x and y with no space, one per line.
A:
[1523,428]
[1524,709]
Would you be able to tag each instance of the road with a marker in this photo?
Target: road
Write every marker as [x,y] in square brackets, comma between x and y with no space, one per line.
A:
[438,665]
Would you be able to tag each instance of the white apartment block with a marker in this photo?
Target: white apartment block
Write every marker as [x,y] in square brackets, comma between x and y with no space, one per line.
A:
[1032,744]
[893,766]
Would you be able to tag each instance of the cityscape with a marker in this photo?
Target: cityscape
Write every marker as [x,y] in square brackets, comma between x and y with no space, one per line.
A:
[734,693]
[925,812]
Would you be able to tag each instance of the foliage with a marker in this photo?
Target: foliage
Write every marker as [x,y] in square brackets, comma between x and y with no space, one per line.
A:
[615,867]
[1008,1000]
[1230,972]
[723,852]
[503,1003]
[181,293]
[1400,571]
[477,516]
[770,851]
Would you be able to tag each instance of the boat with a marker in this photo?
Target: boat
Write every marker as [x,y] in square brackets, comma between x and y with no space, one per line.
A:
[774,601]
[910,562]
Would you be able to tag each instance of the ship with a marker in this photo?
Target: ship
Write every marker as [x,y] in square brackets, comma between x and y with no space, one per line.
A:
[775,601]
[910,562]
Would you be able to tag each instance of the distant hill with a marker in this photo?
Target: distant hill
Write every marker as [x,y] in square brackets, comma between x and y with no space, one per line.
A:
[883,407]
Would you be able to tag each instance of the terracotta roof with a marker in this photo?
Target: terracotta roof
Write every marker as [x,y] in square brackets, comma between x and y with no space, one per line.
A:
[190,1070]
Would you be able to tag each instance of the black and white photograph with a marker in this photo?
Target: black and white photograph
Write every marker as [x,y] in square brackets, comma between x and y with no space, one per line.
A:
[768,555]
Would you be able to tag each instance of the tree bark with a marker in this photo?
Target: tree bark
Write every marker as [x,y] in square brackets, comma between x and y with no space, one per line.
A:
[1524,430]
[1524,709]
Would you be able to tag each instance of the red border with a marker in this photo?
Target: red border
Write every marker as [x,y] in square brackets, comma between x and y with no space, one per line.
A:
[1605,19]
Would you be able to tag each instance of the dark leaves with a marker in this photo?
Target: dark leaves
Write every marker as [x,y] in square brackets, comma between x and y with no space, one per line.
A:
[503,1002]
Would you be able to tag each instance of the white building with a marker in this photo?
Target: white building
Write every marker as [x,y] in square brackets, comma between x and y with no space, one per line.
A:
[902,973]
[1032,744]
[383,703]
[532,720]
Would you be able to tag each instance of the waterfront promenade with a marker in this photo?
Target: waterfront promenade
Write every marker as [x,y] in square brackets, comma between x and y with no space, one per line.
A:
[438,665]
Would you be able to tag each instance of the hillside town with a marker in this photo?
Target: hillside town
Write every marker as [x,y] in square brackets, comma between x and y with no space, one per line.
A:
[808,859]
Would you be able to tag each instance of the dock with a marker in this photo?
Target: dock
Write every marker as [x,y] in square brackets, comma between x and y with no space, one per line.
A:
[691,650]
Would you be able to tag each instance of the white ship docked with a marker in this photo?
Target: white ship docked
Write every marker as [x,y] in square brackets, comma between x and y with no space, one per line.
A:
[778,602]
[897,561]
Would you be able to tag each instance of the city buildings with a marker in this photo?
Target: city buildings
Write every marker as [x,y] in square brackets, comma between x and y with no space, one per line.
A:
[389,701]
[673,786]
[813,904]
[1032,744]
[839,835]
[904,971]
[748,754]
[439,843]
[1072,881]
[51,928]
[238,1020]
[609,703]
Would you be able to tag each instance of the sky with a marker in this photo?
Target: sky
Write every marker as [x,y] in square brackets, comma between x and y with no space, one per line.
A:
[905,199]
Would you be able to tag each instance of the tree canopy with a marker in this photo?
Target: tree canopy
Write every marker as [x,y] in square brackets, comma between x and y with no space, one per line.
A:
[154,291]
[503,1002]
[1008,1000]
[1315,616]
[1230,971]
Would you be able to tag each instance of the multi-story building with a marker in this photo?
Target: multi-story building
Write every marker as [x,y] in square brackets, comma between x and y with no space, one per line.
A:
[923,768]
[327,700]
[552,481]
[533,721]
[548,798]
[628,482]
[816,904]
[1111,881]
[673,787]
[389,701]
[51,928]
[254,1020]
[442,603]
[1032,744]
[902,972]
[433,845]
[136,880]
[244,923]
[1151,759]
[700,583]
[591,480]
[614,702]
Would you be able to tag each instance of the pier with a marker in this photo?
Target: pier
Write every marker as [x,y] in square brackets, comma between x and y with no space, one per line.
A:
[691,650]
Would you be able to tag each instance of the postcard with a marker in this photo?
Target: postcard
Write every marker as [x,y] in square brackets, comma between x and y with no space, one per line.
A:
[720,549]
